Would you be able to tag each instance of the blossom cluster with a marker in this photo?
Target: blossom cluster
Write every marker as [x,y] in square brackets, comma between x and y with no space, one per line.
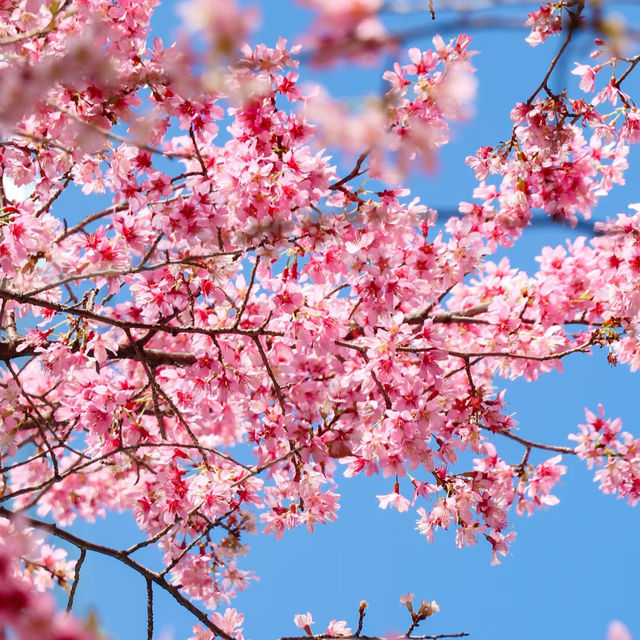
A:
[412,119]
[245,317]
[602,444]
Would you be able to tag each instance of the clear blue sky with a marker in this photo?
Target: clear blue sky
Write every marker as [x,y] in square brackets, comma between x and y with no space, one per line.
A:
[572,569]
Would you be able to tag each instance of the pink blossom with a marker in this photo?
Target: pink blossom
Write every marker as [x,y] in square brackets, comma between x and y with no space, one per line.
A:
[587,76]
[544,22]
[338,628]
[303,620]
[394,500]
[617,631]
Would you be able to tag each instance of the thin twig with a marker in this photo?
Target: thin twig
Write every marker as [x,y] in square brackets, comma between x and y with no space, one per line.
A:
[203,166]
[76,579]
[534,445]
[276,385]
[362,612]
[245,300]
[573,26]
[149,609]
[354,173]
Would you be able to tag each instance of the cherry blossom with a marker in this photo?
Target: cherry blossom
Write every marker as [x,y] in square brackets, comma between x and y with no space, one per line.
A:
[617,631]
[263,311]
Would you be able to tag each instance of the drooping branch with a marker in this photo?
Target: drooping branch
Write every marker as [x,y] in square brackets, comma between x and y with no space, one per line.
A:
[121,556]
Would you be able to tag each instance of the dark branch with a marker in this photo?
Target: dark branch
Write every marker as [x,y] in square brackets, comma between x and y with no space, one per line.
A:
[80,543]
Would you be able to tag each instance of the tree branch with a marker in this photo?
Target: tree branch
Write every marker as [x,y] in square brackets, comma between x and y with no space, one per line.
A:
[148,574]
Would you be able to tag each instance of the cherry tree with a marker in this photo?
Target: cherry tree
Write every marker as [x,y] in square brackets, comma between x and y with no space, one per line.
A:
[252,319]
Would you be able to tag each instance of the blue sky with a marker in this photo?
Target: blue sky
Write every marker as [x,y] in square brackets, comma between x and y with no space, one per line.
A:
[572,568]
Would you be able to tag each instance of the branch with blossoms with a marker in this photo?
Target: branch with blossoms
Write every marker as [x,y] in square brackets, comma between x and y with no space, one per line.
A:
[329,636]
[122,556]
[339,629]
[546,131]
[245,314]
[362,34]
